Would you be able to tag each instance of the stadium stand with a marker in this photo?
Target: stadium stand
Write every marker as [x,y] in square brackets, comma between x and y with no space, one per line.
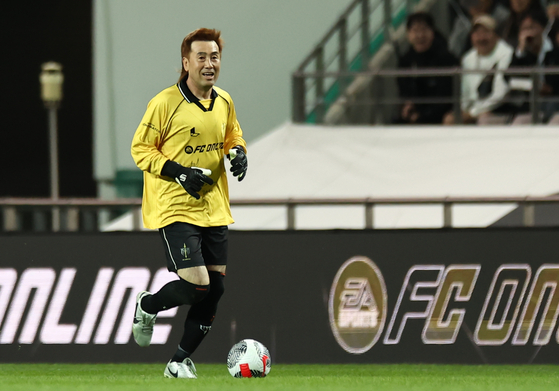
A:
[356,84]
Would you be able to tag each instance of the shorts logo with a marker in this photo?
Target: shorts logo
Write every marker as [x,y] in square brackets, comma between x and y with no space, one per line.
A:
[357,305]
[185,252]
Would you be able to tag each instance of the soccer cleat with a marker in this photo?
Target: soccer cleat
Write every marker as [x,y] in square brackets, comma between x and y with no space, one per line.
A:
[183,370]
[143,323]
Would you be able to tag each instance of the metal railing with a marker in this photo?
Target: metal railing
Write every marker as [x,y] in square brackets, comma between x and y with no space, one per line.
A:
[72,209]
[64,214]
[357,35]
[303,107]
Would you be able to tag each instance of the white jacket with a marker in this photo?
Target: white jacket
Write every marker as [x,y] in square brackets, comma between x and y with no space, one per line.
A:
[501,56]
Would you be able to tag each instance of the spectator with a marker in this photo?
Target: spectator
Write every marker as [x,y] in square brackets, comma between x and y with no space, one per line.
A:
[483,93]
[519,9]
[459,40]
[553,11]
[427,50]
[534,48]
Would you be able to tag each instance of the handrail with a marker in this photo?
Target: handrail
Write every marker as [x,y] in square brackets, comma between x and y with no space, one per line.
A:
[345,55]
[527,202]
[68,202]
[442,71]
[304,108]
[329,34]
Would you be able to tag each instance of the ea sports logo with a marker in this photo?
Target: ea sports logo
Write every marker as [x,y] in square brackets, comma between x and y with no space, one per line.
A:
[357,305]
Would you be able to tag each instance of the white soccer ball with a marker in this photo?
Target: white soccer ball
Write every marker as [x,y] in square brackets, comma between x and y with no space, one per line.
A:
[249,358]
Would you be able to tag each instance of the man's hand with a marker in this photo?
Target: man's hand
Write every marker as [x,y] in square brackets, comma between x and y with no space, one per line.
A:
[409,114]
[526,41]
[239,162]
[190,178]
[467,118]
[448,119]
[546,89]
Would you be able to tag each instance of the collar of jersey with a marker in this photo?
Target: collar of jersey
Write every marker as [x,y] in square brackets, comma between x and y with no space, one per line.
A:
[191,98]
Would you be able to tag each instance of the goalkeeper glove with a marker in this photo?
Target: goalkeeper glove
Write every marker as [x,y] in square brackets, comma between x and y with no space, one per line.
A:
[190,178]
[239,162]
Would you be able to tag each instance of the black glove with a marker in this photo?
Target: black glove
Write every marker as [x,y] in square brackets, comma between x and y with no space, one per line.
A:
[239,164]
[192,179]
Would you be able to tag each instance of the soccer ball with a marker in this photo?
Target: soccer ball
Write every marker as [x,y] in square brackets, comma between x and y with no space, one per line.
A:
[249,358]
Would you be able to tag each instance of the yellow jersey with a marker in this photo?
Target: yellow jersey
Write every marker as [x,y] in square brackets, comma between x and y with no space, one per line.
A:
[178,126]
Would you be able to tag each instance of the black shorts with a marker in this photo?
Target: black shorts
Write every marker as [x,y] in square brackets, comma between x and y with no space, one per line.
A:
[188,245]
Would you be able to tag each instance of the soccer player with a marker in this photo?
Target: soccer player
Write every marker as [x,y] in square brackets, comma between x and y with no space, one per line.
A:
[181,144]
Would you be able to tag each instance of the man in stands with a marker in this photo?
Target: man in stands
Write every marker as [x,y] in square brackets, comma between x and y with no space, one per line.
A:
[519,9]
[427,50]
[535,49]
[483,94]
[467,11]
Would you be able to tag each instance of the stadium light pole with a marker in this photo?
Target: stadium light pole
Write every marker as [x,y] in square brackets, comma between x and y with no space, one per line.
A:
[51,79]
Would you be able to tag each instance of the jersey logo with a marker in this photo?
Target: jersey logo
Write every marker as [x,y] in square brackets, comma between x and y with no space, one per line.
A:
[203,148]
[193,133]
[151,126]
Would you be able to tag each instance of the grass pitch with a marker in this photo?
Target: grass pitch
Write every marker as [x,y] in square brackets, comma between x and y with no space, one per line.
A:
[134,377]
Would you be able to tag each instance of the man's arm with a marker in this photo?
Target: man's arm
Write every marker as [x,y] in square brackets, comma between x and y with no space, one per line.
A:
[236,145]
[148,136]
[500,88]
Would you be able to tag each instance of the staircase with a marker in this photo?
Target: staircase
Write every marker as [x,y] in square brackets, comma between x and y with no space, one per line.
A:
[329,80]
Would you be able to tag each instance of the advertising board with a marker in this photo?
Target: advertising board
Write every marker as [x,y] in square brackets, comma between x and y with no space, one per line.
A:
[435,296]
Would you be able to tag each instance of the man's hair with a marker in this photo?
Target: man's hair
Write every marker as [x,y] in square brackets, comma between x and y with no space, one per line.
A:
[420,17]
[202,34]
[538,16]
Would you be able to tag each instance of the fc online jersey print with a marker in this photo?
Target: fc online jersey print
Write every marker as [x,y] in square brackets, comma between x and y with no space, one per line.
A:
[178,126]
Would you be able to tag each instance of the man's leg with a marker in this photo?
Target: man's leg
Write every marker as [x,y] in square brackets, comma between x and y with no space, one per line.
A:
[201,315]
[182,244]
[200,318]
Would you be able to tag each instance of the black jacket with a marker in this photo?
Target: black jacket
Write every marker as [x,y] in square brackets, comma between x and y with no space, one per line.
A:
[433,87]
[531,60]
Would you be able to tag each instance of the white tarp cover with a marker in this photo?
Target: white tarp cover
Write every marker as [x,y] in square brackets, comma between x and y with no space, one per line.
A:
[304,161]
[309,161]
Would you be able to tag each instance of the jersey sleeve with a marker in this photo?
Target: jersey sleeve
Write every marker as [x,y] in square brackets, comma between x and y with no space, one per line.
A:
[234,133]
[148,137]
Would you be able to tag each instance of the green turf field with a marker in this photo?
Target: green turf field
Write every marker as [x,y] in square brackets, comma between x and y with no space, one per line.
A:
[61,377]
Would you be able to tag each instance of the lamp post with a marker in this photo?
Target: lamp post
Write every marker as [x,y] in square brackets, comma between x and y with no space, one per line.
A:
[51,79]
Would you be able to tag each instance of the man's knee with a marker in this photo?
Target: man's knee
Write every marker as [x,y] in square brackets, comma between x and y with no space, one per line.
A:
[196,275]
[190,293]
[216,284]
[205,310]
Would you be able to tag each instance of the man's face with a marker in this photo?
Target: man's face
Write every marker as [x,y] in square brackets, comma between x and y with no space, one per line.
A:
[203,64]
[420,37]
[519,6]
[484,40]
[533,32]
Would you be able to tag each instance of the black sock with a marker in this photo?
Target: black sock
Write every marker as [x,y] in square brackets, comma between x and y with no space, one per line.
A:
[201,315]
[180,355]
[173,294]
[194,333]
[151,304]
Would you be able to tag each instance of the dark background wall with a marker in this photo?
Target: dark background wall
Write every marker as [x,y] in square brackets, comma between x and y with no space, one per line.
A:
[34,33]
